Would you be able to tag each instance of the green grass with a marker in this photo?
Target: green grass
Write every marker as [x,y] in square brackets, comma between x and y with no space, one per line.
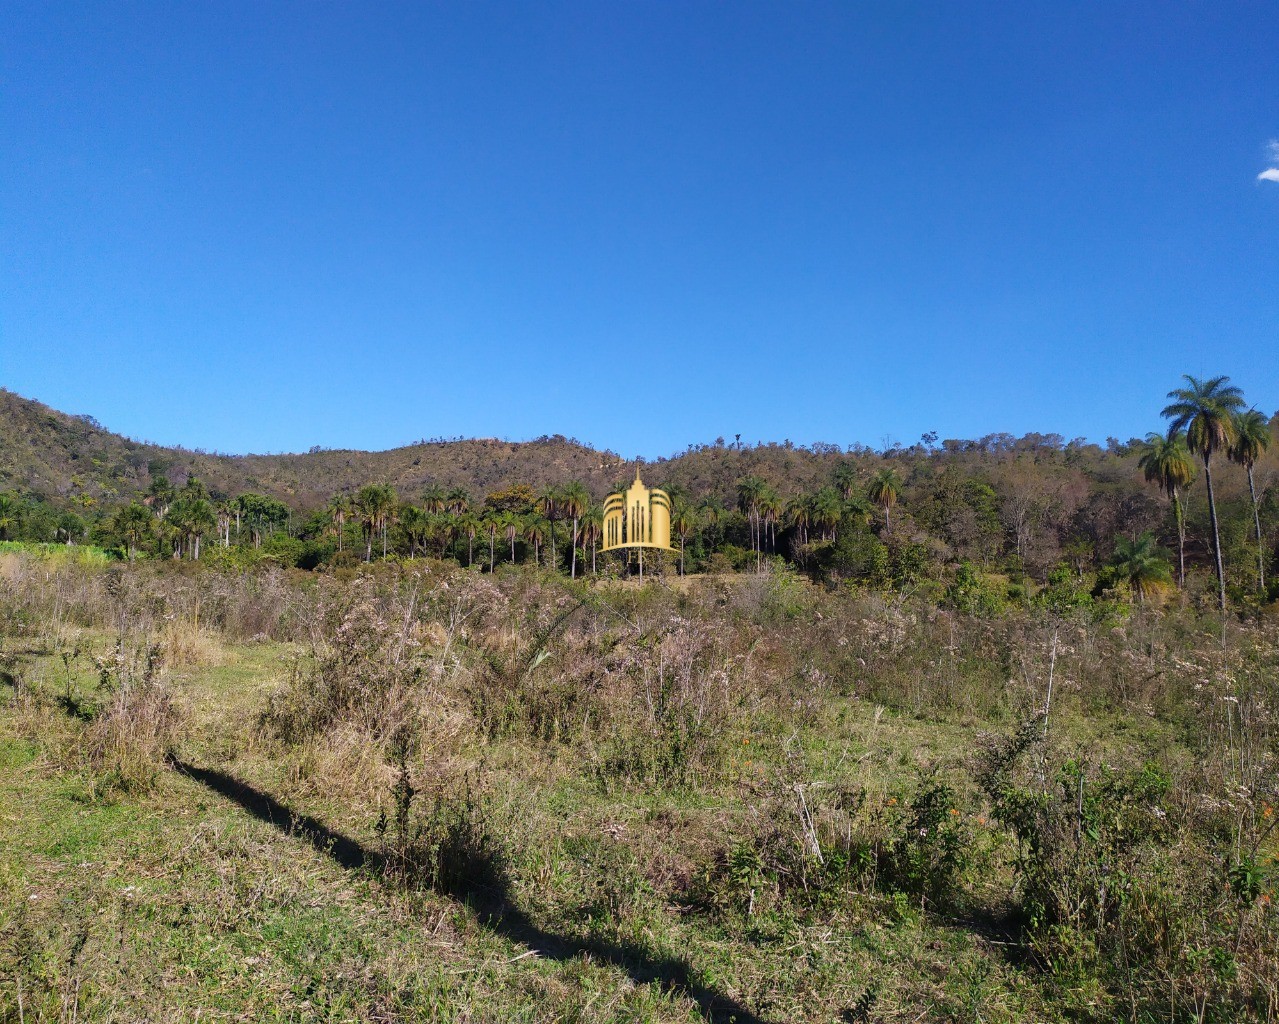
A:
[180,901]
[605,898]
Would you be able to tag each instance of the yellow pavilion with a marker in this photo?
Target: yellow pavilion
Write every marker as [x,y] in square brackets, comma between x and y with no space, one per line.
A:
[639,517]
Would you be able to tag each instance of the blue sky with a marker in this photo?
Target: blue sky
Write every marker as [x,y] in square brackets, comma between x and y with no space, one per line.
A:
[262,227]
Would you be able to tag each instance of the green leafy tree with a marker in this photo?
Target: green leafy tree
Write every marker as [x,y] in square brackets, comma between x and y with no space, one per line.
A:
[1166,461]
[261,514]
[70,526]
[710,513]
[10,515]
[1252,439]
[1205,410]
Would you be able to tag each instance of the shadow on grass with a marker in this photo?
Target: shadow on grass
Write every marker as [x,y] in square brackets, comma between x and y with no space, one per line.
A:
[483,885]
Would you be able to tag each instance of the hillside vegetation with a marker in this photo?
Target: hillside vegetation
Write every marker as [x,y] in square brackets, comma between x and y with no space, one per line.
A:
[1192,510]
[52,455]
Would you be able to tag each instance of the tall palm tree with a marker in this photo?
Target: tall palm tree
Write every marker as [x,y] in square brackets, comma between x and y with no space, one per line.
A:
[683,522]
[1205,410]
[160,495]
[435,499]
[1141,563]
[770,511]
[750,490]
[224,517]
[593,531]
[710,512]
[374,507]
[416,523]
[468,524]
[457,500]
[827,511]
[845,478]
[1252,439]
[511,526]
[199,521]
[549,501]
[339,508]
[133,524]
[491,524]
[1166,461]
[799,514]
[535,530]
[884,490]
[575,499]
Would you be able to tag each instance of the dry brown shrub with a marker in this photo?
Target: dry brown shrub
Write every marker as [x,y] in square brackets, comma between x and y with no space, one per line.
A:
[133,733]
[186,644]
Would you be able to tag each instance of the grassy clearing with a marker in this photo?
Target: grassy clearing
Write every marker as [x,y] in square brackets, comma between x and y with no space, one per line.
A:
[440,797]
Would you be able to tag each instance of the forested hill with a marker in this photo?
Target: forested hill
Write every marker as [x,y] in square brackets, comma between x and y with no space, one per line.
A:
[55,456]
[1032,502]
[52,455]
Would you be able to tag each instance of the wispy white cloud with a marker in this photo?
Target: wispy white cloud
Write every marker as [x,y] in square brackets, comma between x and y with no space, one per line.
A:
[1271,173]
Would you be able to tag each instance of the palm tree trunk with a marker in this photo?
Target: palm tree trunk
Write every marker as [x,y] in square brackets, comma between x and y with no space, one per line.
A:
[573,571]
[1181,538]
[1216,537]
[1256,522]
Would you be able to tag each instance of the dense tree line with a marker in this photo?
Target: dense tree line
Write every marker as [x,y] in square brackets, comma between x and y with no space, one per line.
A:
[989,521]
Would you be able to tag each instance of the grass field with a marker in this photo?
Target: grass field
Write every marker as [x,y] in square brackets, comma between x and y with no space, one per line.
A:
[435,796]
